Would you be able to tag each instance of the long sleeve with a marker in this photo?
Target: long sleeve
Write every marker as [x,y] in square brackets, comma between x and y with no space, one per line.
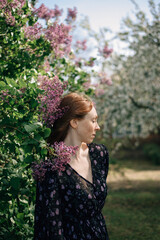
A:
[105,156]
[48,216]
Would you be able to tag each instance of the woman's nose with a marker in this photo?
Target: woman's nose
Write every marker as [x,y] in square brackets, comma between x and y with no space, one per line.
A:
[97,127]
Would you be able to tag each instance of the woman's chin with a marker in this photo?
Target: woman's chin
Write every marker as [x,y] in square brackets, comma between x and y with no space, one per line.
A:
[89,141]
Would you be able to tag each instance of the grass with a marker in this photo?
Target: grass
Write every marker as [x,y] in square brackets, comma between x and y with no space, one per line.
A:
[132,208]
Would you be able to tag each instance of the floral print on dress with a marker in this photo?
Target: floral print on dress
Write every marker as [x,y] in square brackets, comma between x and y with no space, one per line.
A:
[68,206]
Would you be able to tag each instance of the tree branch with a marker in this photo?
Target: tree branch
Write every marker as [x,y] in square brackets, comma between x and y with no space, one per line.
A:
[138,105]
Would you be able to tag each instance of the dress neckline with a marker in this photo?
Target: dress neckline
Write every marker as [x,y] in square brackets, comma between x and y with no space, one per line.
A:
[90,158]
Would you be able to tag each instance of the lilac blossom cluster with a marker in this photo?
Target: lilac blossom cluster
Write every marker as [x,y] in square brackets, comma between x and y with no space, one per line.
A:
[64,153]
[39,169]
[9,8]
[106,52]
[61,156]
[50,100]
[4,96]
[81,44]
[56,34]
[104,79]
[87,84]
[3,3]
[59,37]
[46,13]
[14,4]
[33,32]
[72,14]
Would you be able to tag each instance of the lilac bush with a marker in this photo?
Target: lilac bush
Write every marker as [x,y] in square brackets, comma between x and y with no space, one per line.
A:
[37,66]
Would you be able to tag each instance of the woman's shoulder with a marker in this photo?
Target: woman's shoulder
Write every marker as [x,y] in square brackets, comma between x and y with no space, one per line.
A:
[100,153]
[94,147]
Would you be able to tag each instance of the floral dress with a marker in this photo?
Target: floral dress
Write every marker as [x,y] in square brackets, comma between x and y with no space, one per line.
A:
[68,206]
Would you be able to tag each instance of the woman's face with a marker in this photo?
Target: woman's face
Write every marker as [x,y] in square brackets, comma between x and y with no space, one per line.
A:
[87,127]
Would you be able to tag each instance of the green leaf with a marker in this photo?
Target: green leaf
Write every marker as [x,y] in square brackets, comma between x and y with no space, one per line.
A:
[2,84]
[29,159]
[43,144]
[15,182]
[38,137]
[47,132]
[11,82]
[27,148]
[32,85]
[34,103]
[20,216]
[44,151]
[22,84]
[32,127]
[29,141]
[5,182]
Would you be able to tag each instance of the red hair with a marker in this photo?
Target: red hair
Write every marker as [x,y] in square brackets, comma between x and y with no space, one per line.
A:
[78,105]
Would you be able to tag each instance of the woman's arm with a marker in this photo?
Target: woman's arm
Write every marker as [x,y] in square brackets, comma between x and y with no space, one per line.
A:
[48,216]
[106,159]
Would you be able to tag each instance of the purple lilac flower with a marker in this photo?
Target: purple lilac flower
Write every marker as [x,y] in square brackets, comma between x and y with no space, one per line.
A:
[33,32]
[50,100]
[72,14]
[57,12]
[3,3]
[8,9]
[39,170]
[46,13]
[81,44]
[9,18]
[59,37]
[14,4]
[106,52]
[64,153]
[17,4]
[61,157]
[87,84]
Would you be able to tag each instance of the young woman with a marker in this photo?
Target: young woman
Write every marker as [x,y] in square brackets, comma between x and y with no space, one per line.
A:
[69,203]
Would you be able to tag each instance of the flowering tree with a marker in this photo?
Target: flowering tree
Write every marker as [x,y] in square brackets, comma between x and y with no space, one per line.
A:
[131,106]
[36,66]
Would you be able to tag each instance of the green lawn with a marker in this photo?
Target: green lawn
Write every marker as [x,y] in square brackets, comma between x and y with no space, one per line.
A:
[133,213]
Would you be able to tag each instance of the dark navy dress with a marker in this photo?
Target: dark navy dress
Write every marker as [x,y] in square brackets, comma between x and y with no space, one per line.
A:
[68,206]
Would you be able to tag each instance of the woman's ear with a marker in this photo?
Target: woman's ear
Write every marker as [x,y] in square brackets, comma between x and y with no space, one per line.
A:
[74,123]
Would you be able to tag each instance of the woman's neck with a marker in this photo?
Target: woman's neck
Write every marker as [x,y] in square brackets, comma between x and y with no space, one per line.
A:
[69,141]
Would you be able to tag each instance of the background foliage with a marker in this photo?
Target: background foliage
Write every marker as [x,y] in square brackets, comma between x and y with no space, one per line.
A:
[132,103]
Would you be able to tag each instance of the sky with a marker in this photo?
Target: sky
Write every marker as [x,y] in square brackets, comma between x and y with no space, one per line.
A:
[101,13]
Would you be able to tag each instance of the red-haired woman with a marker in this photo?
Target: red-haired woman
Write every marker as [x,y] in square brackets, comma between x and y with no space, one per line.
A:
[69,203]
